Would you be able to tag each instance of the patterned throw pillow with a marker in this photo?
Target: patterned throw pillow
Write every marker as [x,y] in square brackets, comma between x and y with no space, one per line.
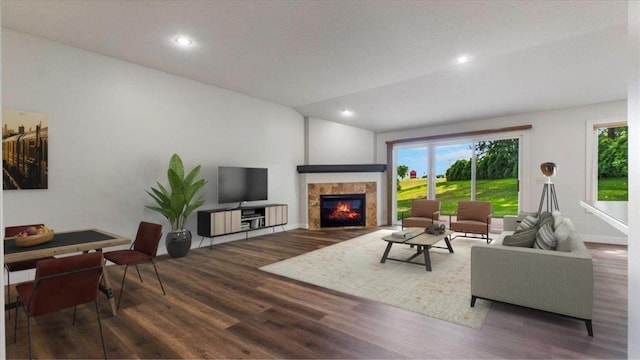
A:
[545,238]
[522,238]
[527,223]
[543,218]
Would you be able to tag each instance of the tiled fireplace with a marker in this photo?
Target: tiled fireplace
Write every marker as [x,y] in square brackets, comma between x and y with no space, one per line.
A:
[363,185]
[315,191]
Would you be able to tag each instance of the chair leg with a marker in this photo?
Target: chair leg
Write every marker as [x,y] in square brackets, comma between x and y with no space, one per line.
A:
[29,334]
[8,288]
[138,270]
[104,348]
[122,285]
[15,321]
[158,276]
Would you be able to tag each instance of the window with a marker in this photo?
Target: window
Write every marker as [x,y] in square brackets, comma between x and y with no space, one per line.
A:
[484,169]
[607,161]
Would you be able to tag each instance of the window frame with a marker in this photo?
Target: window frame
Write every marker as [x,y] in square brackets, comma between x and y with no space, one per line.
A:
[592,153]
[431,146]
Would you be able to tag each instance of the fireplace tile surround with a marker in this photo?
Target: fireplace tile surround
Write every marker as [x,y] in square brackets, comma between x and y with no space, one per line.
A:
[316,180]
[314,191]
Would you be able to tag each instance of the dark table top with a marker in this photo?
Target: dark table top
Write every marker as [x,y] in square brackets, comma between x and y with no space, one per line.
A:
[59,239]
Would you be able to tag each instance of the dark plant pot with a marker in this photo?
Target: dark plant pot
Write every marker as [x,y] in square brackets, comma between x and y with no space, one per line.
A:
[178,243]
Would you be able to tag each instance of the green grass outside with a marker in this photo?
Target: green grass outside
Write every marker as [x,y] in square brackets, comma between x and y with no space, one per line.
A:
[613,189]
[501,192]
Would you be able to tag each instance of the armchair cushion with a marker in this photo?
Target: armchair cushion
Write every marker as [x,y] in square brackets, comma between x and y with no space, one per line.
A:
[425,208]
[474,210]
[469,226]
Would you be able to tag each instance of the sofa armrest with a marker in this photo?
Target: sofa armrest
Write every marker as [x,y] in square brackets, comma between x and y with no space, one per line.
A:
[558,282]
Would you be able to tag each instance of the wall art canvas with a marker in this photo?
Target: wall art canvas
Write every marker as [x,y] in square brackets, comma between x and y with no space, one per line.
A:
[24,150]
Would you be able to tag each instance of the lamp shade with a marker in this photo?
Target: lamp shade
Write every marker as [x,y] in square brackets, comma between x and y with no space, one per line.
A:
[548,168]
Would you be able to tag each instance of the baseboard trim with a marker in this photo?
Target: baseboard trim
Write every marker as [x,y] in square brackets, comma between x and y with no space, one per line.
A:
[614,240]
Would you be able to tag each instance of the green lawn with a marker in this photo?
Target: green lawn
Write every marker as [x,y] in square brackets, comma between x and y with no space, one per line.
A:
[501,192]
[613,189]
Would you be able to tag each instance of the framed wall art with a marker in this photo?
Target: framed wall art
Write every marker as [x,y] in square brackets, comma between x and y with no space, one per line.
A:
[24,150]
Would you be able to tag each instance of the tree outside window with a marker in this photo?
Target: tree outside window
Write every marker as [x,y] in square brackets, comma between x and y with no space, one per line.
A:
[612,163]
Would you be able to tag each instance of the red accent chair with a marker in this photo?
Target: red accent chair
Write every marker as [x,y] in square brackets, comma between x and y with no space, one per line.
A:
[11,231]
[59,284]
[143,250]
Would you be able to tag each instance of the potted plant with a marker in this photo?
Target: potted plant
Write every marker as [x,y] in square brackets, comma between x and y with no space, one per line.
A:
[177,202]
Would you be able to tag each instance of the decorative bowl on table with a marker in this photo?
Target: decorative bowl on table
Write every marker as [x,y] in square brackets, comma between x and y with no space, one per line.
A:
[33,237]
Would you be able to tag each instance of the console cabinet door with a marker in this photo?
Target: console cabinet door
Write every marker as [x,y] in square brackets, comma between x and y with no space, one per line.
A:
[217,223]
[276,215]
[225,222]
[284,210]
[234,220]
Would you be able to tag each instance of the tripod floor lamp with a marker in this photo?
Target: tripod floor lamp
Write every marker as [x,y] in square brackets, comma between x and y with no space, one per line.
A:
[549,190]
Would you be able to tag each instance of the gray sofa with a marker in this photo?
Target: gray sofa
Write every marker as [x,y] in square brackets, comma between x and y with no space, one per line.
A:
[554,281]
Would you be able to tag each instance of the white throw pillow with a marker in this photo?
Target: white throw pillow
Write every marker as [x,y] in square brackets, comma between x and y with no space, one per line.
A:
[557,218]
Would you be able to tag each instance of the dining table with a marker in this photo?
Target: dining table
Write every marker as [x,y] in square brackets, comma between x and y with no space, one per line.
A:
[69,242]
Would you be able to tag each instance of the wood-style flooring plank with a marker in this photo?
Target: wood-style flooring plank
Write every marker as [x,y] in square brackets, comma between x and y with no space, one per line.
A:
[220,305]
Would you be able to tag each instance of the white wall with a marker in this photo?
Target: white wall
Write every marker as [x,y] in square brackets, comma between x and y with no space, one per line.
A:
[332,143]
[113,126]
[558,136]
[633,338]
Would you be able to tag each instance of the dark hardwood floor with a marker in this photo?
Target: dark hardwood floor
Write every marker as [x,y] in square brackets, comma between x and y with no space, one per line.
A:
[219,305]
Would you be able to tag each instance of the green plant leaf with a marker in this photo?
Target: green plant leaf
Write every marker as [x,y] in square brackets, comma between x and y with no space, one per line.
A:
[175,202]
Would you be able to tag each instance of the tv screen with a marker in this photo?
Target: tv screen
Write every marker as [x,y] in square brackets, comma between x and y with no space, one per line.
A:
[239,184]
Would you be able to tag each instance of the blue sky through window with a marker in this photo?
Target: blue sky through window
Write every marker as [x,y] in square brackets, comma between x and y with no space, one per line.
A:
[416,157]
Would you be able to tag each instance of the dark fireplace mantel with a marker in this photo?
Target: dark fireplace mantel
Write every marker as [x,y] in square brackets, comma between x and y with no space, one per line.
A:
[308,169]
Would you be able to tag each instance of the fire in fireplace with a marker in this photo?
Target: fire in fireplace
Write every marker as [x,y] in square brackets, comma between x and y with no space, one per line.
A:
[342,210]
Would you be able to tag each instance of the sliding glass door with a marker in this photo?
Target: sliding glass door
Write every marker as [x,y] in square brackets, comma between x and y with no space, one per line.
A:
[411,179]
[497,175]
[483,169]
[454,175]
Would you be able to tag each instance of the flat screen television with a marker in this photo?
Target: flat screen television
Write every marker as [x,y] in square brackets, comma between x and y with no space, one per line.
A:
[241,184]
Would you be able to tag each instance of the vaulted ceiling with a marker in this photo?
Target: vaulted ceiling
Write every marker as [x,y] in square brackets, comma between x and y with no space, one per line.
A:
[390,62]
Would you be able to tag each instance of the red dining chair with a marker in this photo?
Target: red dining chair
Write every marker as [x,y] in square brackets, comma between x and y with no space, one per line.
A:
[11,231]
[59,284]
[143,250]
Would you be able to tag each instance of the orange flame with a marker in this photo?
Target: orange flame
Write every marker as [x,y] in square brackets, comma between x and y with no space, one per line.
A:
[343,211]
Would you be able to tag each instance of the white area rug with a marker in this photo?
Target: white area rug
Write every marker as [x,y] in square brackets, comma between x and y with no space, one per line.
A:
[354,267]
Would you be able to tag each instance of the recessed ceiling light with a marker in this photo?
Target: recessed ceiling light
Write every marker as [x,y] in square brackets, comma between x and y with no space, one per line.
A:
[183,41]
[347,112]
[462,59]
